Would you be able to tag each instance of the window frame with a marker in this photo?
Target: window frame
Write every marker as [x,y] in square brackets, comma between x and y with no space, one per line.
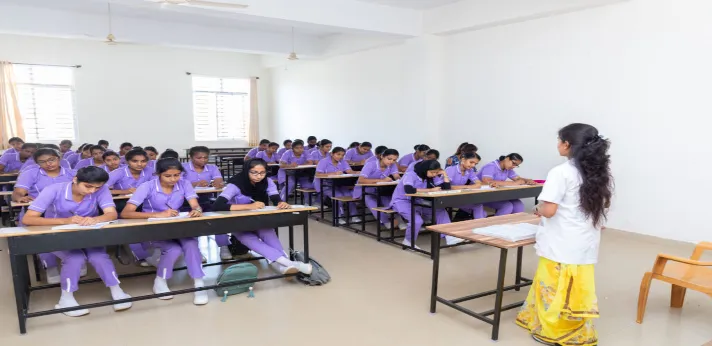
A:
[218,93]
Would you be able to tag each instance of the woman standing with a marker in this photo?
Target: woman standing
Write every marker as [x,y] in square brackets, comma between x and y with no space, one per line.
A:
[573,205]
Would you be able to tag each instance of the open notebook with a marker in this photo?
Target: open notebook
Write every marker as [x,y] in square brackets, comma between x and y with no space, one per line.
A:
[75,226]
[510,232]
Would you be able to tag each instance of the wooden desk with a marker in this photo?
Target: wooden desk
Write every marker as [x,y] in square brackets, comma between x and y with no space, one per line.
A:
[381,190]
[467,197]
[24,241]
[463,230]
[9,182]
[296,171]
[343,180]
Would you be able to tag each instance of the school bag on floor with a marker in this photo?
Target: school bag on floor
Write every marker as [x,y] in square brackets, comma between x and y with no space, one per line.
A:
[319,275]
[236,273]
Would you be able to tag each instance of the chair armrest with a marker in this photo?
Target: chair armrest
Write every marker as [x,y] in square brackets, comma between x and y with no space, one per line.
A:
[662,259]
[700,248]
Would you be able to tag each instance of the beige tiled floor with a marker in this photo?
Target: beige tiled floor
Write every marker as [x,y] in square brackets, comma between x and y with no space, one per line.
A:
[379,296]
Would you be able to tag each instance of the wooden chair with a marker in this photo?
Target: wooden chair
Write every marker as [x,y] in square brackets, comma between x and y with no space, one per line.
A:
[682,273]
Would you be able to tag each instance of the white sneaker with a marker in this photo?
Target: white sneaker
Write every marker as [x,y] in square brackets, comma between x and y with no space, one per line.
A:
[450,240]
[304,268]
[225,253]
[122,306]
[342,221]
[66,302]
[406,243]
[53,276]
[288,270]
[161,286]
[201,298]
[83,273]
[355,219]
[151,261]
[402,226]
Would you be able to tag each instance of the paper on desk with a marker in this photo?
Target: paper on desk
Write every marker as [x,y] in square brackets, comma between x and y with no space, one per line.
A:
[444,192]
[13,230]
[486,187]
[387,182]
[306,166]
[75,226]
[199,188]
[512,232]
[349,175]
[182,215]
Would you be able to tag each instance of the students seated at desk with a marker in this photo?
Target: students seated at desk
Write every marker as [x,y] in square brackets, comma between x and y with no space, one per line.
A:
[431,154]
[357,156]
[269,155]
[65,147]
[335,164]
[293,158]
[125,180]
[426,177]
[379,151]
[47,171]
[463,177]
[249,190]
[112,161]
[383,170]
[287,146]
[321,153]
[30,163]
[96,159]
[15,146]
[416,156]
[78,202]
[163,197]
[454,160]
[10,163]
[496,174]
[254,151]
[311,144]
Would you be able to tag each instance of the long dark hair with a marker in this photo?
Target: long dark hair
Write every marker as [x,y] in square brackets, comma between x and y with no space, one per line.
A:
[589,152]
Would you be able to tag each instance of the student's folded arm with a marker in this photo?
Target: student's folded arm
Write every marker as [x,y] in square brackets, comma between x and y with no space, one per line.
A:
[275,199]
[18,193]
[130,212]
[409,189]
[34,218]
[402,168]
[110,214]
[364,180]
[2,167]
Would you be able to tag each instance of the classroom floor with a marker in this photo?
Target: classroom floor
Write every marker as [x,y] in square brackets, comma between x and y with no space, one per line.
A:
[379,296]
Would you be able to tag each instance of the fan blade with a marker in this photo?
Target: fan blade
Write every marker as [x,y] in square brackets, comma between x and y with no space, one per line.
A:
[213,4]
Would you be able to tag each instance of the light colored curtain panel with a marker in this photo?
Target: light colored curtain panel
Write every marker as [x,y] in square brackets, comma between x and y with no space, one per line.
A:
[253,135]
[9,108]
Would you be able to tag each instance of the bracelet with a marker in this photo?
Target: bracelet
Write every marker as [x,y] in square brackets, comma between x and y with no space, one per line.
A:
[199,209]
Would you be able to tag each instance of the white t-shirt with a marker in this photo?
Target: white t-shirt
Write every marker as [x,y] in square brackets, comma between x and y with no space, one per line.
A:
[568,237]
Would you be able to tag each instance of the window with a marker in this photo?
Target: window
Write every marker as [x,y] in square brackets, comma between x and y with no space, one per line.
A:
[221,108]
[46,99]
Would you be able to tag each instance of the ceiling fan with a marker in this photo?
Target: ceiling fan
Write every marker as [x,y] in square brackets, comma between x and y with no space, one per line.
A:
[202,3]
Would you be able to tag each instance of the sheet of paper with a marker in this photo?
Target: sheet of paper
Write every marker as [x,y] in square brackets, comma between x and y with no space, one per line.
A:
[13,230]
[306,166]
[444,192]
[200,188]
[182,215]
[486,187]
[387,182]
[75,226]
[349,175]
[510,232]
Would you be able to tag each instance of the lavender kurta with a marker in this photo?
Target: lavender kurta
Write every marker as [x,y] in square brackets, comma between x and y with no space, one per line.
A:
[327,166]
[373,170]
[209,173]
[122,179]
[34,180]
[289,158]
[354,155]
[492,170]
[406,160]
[264,156]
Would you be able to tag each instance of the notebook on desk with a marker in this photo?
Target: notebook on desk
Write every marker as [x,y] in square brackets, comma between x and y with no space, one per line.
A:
[512,232]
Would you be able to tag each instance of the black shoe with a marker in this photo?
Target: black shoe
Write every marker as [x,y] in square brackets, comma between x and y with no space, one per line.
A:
[539,340]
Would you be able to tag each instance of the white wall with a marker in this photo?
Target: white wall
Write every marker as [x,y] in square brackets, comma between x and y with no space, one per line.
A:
[134,93]
[639,71]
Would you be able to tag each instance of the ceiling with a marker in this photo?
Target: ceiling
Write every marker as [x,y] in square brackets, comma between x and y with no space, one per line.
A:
[414,4]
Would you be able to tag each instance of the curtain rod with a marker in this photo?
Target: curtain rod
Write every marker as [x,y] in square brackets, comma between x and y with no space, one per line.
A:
[190,73]
[22,63]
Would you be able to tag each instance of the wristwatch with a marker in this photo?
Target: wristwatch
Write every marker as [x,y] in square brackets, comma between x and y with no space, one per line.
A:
[199,209]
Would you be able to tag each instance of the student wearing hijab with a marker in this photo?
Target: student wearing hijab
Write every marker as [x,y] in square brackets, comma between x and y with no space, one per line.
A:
[269,155]
[249,190]
[383,170]
[379,151]
[359,154]
[417,156]
[254,151]
[163,197]
[78,202]
[321,153]
[287,146]
[463,177]
[496,174]
[293,158]
[335,164]
[427,176]
[10,163]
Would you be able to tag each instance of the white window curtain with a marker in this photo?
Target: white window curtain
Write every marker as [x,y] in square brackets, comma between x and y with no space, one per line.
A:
[253,135]
[10,117]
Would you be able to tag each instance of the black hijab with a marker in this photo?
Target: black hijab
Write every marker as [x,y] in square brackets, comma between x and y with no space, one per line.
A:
[256,191]
[421,169]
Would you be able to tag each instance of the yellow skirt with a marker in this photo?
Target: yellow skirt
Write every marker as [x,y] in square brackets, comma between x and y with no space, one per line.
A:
[561,304]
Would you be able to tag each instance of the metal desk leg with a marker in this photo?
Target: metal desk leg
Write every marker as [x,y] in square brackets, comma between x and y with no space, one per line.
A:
[518,278]
[500,293]
[21,284]
[291,242]
[321,191]
[334,206]
[412,222]
[363,215]
[306,237]
[433,222]
[435,251]
[286,186]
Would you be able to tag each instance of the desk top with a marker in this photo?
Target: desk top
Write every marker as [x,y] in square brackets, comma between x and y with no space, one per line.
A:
[300,167]
[8,182]
[34,230]
[9,174]
[463,229]
[211,190]
[471,191]
[392,183]
[342,176]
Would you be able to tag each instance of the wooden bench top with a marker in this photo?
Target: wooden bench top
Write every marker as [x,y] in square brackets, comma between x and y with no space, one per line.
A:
[8,182]
[9,174]
[463,229]
[392,183]
[471,191]
[299,167]
[384,210]
[345,199]
[306,190]
[342,176]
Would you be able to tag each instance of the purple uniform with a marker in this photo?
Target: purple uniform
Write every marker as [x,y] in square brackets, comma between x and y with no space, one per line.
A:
[317,155]
[269,159]
[407,160]
[122,179]
[289,158]
[457,178]
[210,172]
[492,170]
[11,162]
[10,151]
[355,156]
[411,166]
[73,159]
[253,152]
[30,163]
[281,152]
[372,158]
[86,163]
[373,170]
[401,204]
[264,241]
[56,201]
[34,180]
[151,196]
[326,166]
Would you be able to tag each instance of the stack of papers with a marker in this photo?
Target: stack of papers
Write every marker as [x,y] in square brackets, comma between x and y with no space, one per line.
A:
[513,233]
[75,226]
[444,192]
